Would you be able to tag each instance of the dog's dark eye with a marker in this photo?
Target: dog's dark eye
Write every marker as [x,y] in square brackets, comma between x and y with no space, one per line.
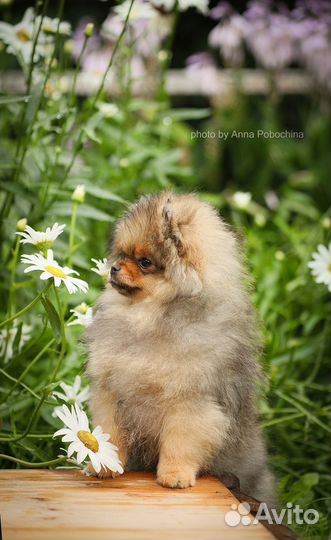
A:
[144,263]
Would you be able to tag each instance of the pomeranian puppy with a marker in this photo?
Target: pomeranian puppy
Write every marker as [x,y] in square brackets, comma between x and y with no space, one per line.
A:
[173,348]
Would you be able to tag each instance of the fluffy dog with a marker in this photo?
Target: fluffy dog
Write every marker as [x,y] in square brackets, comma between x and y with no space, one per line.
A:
[173,348]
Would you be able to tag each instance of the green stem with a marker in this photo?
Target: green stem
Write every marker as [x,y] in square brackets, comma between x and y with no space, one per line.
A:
[98,93]
[318,361]
[163,95]
[28,132]
[12,276]
[72,231]
[15,359]
[26,308]
[34,44]
[28,427]
[10,196]
[27,369]
[41,464]
[63,339]
[12,291]
[5,374]
[282,419]
[77,70]
[110,63]
[38,436]
[303,410]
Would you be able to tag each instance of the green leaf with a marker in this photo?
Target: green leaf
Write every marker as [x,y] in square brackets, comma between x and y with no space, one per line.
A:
[85,210]
[100,193]
[33,104]
[53,317]
[6,100]
[17,338]
[90,133]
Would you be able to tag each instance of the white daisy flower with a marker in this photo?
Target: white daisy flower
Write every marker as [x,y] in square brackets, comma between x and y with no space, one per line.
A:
[19,38]
[320,265]
[140,10]
[83,314]
[7,340]
[109,110]
[72,394]
[201,5]
[93,445]
[183,5]
[42,240]
[52,26]
[102,268]
[242,199]
[51,269]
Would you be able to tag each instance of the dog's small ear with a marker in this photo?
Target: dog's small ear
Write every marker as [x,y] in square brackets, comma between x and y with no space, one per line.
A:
[170,228]
[167,211]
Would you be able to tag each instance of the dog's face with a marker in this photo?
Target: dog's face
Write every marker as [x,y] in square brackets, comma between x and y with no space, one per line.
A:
[135,270]
[155,252]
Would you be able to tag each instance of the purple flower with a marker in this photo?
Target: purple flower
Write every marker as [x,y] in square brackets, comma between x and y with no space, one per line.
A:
[271,40]
[228,36]
[319,9]
[258,9]
[222,10]
[315,54]
[276,36]
[202,67]
[97,60]
[149,35]
[111,28]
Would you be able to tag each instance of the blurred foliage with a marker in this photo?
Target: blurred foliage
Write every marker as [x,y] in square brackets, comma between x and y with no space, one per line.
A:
[119,150]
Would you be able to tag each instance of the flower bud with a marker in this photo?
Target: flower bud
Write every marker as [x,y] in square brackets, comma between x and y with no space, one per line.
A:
[82,308]
[260,219]
[124,163]
[326,223]
[68,46]
[89,29]
[78,195]
[162,55]
[280,255]
[21,224]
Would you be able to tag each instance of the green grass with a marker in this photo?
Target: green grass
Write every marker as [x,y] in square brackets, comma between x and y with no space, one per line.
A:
[48,146]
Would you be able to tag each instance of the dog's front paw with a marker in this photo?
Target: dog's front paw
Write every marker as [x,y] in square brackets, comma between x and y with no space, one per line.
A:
[173,477]
[103,474]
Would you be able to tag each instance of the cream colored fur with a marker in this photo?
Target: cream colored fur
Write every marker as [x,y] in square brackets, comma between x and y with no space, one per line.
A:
[173,366]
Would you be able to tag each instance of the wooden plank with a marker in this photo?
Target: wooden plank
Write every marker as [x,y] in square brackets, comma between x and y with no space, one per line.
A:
[65,504]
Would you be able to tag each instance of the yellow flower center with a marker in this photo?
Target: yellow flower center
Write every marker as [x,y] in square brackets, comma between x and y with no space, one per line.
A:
[23,36]
[56,272]
[88,440]
[329,268]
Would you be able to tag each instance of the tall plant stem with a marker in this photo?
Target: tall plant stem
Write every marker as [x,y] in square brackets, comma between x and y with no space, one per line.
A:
[26,308]
[41,464]
[28,427]
[75,206]
[99,91]
[27,369]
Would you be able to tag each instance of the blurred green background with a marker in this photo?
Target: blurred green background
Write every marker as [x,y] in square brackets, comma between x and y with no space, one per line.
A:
[274,191]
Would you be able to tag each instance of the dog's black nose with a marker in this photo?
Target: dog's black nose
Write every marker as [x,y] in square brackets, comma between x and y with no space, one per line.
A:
[114,270]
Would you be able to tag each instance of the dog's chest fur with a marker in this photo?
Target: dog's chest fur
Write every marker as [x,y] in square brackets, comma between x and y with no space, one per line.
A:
[173,365]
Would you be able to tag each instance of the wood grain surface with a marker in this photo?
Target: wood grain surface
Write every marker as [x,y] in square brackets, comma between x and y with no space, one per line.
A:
[65,504]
